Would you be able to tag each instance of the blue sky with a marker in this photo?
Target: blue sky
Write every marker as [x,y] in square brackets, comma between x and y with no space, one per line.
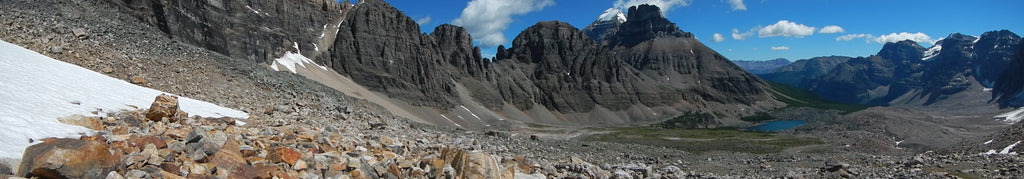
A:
[793,28]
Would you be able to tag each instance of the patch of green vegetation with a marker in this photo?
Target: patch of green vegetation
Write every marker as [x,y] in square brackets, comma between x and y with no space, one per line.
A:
[758,117]
[705,140]
[688,120]
[796,97]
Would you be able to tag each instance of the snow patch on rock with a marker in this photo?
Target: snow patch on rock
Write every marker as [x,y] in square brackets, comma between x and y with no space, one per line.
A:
[612,14]
[291,59]
[932,52]
[1011,117]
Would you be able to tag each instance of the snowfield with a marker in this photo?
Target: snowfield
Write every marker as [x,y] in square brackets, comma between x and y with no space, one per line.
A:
[1011,117]
[37,90]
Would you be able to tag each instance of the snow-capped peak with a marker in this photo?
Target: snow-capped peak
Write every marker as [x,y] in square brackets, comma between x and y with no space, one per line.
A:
[612,14]
[932,52]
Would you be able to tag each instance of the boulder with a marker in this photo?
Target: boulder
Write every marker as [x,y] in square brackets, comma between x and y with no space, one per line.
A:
[163,106]
[229,157]
[68,158]
[481,165]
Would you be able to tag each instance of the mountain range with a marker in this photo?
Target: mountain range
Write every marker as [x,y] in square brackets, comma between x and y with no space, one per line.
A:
[628,68]
[761,67]
[906,73]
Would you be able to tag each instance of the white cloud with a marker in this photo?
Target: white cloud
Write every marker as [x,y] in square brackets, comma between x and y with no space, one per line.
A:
[665,5]
[486,19]
[736,35]
[717,37]
[737,5]
[831,29]
[896,37]
[786,28]
[780,48]
[424,20]
[850,37]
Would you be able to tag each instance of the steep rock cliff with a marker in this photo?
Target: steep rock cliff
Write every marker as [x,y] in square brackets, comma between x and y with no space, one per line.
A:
[258,31]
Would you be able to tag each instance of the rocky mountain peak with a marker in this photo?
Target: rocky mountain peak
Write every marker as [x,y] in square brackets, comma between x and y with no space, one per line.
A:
[992,52]
[612,14]
[645,22]
[644,12]
[902,51]
[605,25]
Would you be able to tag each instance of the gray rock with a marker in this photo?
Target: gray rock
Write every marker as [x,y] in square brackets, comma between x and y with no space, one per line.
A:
[135,174]
[5,169]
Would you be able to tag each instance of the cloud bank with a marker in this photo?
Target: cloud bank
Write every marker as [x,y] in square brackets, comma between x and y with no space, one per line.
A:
[892,37]
[486,19]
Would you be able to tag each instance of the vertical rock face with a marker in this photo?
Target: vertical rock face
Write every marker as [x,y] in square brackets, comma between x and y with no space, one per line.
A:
[258,31]
[1008,90]
[456,47]
[993,51]
[381,48]
[572,74]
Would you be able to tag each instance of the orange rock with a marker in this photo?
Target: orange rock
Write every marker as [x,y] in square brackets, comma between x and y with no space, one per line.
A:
[79,120]
[248,171]
[284,154]
[67,158]
[228,157]
[138,80]
[95,138]
[335,169]
[141,142]
[176,133]
[249,153]
[163,106]
[119,130]
[168,175]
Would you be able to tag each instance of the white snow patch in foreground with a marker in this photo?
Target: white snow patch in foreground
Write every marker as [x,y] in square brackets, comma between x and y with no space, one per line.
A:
[291,59]
[1011,117]
[988,142]
[932,52]
[36,90]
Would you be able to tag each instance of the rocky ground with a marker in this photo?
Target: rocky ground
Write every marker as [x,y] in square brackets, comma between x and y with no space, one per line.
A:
[301,129]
